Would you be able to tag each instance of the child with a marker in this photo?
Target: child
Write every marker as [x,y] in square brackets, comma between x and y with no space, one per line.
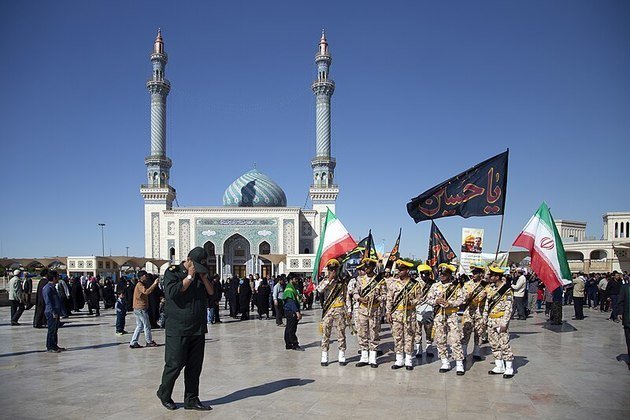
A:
[121,312]
[540,297]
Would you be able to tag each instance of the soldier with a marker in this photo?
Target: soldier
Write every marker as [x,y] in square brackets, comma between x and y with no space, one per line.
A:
[186,287]
[334,311]
[497,312]
[446,296]
[402,298]
[424,312]
[369,291]
[475,292]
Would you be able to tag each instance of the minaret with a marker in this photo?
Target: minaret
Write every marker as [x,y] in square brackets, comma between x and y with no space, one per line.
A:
[157,193]
[323,192]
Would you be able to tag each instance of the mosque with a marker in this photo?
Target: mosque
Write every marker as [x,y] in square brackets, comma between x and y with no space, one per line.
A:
[254,231]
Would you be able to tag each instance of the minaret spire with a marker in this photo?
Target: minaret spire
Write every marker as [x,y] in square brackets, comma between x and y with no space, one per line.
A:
[323,192]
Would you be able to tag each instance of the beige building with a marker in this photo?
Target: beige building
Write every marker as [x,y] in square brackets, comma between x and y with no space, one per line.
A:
[611,252]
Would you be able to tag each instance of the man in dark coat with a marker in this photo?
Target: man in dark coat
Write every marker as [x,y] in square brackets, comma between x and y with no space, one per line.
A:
[154,303]
[233,296]
[186,287]
[27,286]
[39,319]
[93,292]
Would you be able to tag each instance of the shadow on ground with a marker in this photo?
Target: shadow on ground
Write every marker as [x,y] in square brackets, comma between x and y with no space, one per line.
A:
[260,390]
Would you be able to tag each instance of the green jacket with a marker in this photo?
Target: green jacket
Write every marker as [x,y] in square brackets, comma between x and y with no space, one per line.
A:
[185,311]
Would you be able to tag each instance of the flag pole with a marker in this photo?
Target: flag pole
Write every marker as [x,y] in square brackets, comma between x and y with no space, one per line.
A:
[496,255]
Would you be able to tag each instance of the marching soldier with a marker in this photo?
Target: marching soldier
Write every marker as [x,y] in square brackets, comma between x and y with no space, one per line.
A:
[402,298]
[498,311]
[446,296]
[334,311]
[473,322]
[424,312]
[369,291]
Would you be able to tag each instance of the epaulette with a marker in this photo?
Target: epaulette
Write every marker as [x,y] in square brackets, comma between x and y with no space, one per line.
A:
[173,267]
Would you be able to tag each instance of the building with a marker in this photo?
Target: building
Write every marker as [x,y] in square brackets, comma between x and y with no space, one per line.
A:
[254,231]
[611,252]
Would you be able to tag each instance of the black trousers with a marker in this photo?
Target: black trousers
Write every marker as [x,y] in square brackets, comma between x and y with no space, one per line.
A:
[279,312]
[520,307]
[17,309]
[290,330]
[578,305]
[182,352]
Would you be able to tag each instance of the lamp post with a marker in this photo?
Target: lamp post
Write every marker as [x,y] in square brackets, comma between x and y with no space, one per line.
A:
[102,225]
[127,250]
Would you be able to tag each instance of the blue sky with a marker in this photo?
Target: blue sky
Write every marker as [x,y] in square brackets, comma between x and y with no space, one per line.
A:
[424,90]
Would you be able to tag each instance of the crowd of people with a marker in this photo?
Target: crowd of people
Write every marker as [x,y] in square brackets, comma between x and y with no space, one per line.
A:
[445,309]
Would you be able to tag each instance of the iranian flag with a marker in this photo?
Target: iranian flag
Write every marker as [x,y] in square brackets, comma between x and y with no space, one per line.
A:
[334,242]
[541,238]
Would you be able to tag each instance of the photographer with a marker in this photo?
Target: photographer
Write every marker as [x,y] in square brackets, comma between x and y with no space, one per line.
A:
[186,287]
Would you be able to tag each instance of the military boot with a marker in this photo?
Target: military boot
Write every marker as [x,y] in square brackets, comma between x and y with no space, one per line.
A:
[399,361]
[324,358]
[364,359]
[498,369]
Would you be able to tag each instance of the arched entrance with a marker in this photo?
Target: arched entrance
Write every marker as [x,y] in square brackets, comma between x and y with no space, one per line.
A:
[265,267]
[237,254]
[212,257]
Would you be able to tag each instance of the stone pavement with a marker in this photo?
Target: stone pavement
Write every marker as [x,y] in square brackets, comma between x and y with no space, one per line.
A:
[576,371]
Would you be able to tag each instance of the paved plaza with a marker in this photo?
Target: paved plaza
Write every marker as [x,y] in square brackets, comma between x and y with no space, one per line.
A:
[576,371]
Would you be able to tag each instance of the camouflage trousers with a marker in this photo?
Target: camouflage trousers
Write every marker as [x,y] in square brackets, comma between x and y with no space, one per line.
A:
[336,316]
[428,332]
[403,330]
[368,323]
[472,322]
[499,341]
[447,331]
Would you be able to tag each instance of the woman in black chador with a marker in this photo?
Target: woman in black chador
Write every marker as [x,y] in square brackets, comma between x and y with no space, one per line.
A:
[262,299]
[244,297]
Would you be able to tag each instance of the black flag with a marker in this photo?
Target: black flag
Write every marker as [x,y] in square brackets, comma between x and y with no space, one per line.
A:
[439,250]
[360,251]
[394,254]
[478,191]
[369,251]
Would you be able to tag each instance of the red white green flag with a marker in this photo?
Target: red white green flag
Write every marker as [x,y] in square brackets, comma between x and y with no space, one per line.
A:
[549,261]
[334,242]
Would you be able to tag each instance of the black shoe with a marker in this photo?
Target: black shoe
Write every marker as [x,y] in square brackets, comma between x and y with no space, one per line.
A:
[135,346]
[409,367]
[460,373]
[198,406]
[506,376]
[170,405]
[298,348]
[361,364]
[444,370]
[53,351]
[288,347]
[14,323]
[324,364]
[375,365]
[343,363]
[396,367]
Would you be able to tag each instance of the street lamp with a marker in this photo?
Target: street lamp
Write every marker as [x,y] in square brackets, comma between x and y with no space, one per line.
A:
[127,250]
[102,225]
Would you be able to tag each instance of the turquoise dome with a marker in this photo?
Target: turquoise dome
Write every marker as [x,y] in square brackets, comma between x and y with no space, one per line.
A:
[254,189]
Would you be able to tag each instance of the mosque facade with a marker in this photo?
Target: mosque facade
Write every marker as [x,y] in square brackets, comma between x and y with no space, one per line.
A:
[254,231]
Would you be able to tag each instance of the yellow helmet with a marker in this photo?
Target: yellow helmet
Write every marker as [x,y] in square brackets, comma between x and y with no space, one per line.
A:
[423,267]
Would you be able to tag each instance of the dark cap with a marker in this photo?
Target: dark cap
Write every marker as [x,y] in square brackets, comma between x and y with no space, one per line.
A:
[199,257]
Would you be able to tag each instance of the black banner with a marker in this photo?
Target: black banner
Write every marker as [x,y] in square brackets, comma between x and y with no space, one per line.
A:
[393,256]
[478,191]
[439,250]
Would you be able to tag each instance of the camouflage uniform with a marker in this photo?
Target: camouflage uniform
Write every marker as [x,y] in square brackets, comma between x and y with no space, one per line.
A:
[425,321]
[472,320]
[336,314]
[368,316]
[446,322]
[403,316]
[499,316]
